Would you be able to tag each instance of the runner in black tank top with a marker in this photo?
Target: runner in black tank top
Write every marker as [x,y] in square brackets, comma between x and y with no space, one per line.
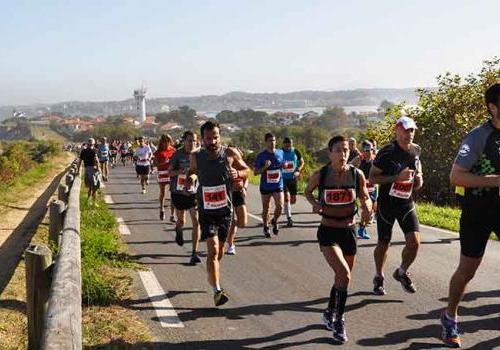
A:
[216,166]
[339,185]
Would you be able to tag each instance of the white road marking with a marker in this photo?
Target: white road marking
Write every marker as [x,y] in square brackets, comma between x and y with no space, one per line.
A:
[439,229]
[122,227]
[108,199]
[255,217]
[163,307]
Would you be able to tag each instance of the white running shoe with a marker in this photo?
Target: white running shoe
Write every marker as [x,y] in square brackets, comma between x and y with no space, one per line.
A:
[143,191]
[231,250]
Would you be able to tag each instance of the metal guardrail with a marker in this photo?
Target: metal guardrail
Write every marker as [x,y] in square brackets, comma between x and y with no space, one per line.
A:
[60,324]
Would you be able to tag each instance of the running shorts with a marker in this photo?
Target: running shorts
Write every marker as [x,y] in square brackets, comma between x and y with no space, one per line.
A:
[212,225]
[266,192]
[142,169]
[345,238]
[477,222]
[290,186]
[238,198]
[388,212]
[182,202]
[91,178]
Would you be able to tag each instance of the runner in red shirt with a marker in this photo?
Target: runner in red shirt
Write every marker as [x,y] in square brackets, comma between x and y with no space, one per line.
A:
[162,158]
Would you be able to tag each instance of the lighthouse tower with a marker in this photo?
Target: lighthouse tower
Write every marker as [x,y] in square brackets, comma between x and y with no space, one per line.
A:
[140,102]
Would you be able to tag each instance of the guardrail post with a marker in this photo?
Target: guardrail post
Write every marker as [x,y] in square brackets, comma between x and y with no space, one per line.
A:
[62,193]
[69,179]
[56,212]
[38,260]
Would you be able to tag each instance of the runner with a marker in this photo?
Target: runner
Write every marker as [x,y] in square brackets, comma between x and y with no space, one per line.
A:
[364,162]
[113,150]
[216,166]
[268,165]
[90,162]
[143,156]
[184,198]
[477,168]
[339,185]
[240,186]
[124,152]
[398,170]
[162,158]
[103,149]
[353,149]
[292,166]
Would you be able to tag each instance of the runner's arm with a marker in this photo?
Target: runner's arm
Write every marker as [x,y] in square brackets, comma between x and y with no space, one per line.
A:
[356,161]
[461,176]
[376,176]
[364,198]
[312,184]
[238,163]
[193,169]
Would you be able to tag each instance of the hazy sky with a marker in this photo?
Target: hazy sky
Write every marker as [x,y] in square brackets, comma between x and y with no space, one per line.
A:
[54,51]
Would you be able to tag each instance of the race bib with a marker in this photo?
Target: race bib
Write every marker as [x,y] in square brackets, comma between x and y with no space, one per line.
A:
[163,176]
[181,182]
[288,167]
[214,197]
[370,187]
[273,176]
[339,196]
[401,189]
[142,161]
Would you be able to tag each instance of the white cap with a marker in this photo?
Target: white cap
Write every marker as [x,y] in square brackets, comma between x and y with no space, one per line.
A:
[407,123]
[91,141]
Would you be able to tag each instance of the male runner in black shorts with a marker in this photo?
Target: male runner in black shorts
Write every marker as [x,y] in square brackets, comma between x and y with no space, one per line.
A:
[292,166]
[398,170]
[477,168]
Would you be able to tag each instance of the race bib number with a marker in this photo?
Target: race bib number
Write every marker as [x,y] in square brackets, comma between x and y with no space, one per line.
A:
[401,189]
[341,196]
[181,182]
[142,161]
[163,176]
[214,197]
[273,176]
[288,167]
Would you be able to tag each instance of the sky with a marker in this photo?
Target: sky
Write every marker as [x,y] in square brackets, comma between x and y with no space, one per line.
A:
[53,51]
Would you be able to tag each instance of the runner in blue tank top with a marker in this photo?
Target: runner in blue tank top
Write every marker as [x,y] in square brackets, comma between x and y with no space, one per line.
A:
[268,165]
[292,166]
[104,157]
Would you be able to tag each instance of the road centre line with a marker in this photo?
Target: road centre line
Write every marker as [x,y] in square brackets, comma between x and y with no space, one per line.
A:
[163,307]
[255,217]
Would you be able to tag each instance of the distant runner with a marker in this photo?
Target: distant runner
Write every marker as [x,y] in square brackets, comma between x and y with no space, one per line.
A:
[339,185]
[103,149]
[268,165]
[292,167]
[90,162]
[162,158]
[477,168]
[398,170]
[217,166]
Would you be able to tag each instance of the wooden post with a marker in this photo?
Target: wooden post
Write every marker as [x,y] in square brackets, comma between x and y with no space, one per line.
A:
[62,193]
[56,213]
[38,259]
[69,180]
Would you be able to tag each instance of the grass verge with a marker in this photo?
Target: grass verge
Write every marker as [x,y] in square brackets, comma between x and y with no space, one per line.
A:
[106,281]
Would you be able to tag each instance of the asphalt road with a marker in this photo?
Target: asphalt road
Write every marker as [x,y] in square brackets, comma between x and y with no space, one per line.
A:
[278,287]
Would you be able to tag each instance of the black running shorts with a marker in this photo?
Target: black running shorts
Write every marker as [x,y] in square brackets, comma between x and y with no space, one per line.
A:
[345,238]
[238,198]
[142,169]
[182,202]
[212,225]
[388,212]
[290,186]
[478,221]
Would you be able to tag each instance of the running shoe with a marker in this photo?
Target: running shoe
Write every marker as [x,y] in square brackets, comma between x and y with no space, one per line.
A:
[172,219]
[143,191]
[327,318]
[179,238]
[405,281]
[378,285]
[275,227]
[362,234]
[220,298]
[195,259]
[162,215]
[339,333]
[231,250]
[289,222]
[450,335]
[266,232]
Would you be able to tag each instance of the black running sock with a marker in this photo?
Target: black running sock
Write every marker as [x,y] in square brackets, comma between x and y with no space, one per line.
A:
[331,302]
[341,299]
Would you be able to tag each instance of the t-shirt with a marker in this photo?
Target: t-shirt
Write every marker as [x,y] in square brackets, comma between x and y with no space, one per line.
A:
[103,152]
[88,155]
[392,159]
[163,157]
[143,154]
[271,179]
[180,161]
[480,154]
[291,161]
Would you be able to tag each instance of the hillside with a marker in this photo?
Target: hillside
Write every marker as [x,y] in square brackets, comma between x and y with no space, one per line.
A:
[25,131]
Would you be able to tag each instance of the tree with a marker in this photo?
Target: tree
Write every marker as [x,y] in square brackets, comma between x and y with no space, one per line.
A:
[332,118]
[443,116]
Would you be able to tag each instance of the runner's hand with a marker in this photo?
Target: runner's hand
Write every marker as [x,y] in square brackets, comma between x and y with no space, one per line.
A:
[317,208]
[365,216]
[296,174]
[267,164]
[405,175]
[233,173]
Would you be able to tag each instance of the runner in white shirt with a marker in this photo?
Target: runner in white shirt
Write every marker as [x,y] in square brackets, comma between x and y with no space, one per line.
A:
[143,156]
